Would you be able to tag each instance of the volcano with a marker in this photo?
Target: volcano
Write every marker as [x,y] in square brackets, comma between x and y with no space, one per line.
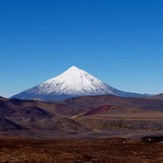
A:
[74,82]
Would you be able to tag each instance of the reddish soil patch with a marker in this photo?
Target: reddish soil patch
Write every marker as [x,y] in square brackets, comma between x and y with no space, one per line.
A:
[100,109]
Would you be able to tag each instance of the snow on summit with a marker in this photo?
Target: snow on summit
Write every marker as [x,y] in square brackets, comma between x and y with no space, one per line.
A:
[73,82]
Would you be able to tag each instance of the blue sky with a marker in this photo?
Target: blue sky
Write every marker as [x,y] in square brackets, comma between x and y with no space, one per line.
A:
[118,41]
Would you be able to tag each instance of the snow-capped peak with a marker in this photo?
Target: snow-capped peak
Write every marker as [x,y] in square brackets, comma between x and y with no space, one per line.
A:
[71,83]
[74,68]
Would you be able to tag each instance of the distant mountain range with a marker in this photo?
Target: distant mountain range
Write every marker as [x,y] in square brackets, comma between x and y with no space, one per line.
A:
[72,83]
[158,96]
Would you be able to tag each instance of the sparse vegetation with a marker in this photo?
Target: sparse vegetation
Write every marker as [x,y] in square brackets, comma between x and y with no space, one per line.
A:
[79,150]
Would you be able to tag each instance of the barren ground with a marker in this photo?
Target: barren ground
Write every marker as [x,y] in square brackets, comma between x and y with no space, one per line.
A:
[120,150]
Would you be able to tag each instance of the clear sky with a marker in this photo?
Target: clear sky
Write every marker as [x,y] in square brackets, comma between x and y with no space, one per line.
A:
[118,41]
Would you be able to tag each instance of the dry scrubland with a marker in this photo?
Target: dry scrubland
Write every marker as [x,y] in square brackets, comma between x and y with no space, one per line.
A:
[79,150]
[75,123]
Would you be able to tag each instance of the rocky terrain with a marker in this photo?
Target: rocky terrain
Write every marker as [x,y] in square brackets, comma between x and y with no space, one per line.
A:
[83,129]
[89,116]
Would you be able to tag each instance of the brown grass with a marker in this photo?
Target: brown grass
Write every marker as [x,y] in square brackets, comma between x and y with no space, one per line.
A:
[83,150]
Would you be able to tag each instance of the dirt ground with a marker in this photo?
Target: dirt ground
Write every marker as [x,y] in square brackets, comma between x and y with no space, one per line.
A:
[79,150]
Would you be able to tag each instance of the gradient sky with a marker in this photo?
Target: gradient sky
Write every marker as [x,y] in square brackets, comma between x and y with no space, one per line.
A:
[118,41]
